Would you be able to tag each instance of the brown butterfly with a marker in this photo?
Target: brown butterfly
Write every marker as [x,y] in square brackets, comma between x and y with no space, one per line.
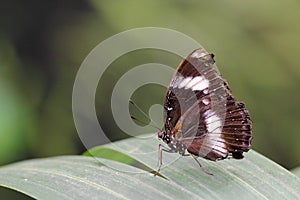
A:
[201,116]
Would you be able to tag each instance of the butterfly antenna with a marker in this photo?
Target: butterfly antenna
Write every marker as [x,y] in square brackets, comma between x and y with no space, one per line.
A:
[139,109]
[134,118]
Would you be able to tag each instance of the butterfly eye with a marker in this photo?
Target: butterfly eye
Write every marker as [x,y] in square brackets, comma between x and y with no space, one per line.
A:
[161,134]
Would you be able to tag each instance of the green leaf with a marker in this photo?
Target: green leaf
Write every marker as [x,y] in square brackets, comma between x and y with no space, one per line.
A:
[296,171]
[123,168]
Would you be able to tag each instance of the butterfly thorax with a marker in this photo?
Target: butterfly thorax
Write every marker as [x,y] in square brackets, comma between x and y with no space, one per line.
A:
[174,144]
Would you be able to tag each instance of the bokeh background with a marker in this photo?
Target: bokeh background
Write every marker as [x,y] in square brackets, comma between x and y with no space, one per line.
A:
[42,44]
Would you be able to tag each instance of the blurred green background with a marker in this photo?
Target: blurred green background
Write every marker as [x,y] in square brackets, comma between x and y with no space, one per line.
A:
[42,44]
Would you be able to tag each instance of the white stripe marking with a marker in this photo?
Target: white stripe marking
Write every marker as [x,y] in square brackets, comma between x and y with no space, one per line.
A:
[205,101]
[177,81]
[201,85]
[214,125]
[197,54]
[194,81]
[184,82]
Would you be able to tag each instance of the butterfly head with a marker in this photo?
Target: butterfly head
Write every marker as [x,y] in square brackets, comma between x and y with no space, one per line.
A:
[163,135]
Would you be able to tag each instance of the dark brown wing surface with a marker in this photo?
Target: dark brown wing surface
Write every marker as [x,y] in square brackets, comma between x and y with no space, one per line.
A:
[200,111]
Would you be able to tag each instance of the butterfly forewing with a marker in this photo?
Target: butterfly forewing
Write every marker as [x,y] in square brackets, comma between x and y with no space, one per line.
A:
[201,113]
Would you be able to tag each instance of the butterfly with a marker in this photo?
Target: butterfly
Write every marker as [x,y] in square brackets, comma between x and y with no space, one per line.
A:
[201,116]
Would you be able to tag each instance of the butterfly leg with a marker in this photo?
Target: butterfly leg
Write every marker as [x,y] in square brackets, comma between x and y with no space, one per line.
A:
[195,158]
[159,159]
[160,150]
